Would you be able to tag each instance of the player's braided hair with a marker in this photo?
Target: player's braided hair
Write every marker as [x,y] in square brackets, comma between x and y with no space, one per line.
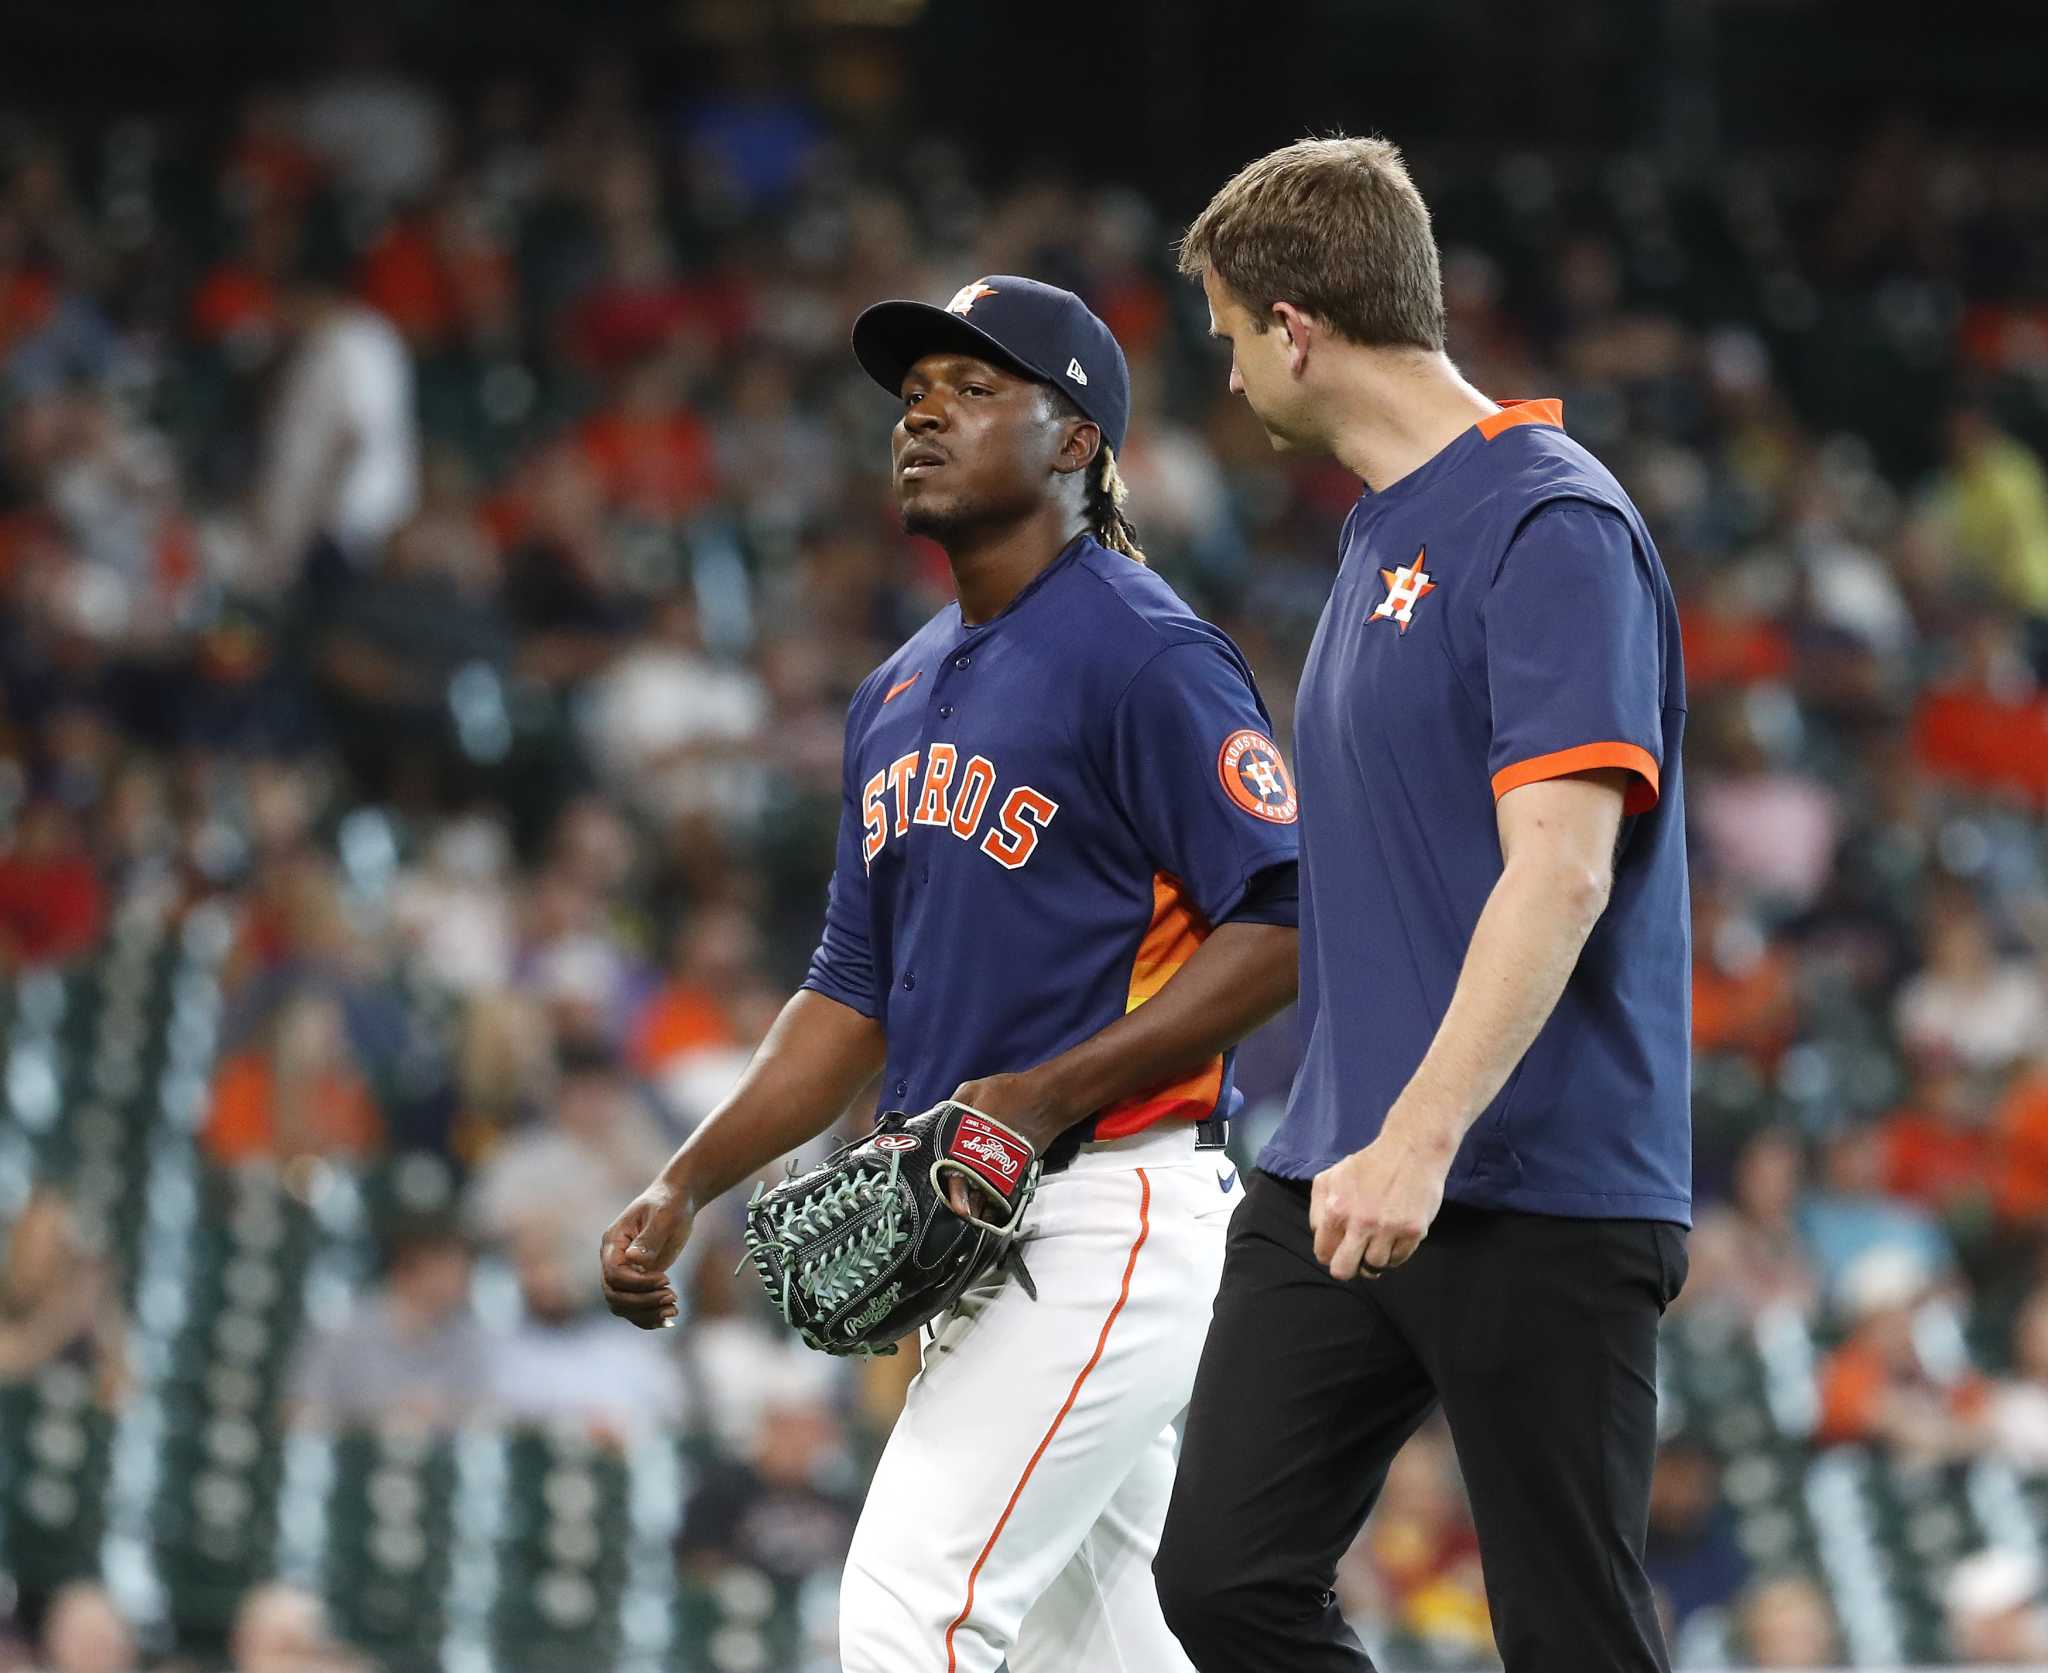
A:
[1107,519]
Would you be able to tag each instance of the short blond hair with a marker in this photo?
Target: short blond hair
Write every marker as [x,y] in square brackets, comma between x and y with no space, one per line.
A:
[1335,227]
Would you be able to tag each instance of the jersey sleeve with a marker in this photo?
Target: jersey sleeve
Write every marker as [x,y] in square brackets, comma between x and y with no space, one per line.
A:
[1574,655]
[1272,897]
[843,967]
[1197,773]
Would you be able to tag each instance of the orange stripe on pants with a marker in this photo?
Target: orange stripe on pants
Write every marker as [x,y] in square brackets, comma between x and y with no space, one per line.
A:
[1073,1394]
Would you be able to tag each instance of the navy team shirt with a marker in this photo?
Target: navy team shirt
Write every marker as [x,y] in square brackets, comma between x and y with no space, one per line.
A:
[1044,815]
[1500,616]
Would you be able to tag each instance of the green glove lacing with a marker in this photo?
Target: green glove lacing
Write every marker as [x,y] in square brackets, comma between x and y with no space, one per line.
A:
[840,1267]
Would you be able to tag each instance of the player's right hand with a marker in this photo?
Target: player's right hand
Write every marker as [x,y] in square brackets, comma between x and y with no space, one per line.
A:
[636,1253]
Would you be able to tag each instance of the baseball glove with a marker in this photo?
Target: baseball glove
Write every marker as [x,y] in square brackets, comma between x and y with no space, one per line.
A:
[864,1249]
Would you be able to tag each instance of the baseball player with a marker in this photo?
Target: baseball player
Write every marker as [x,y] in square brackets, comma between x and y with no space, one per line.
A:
[1478,1195]
[1065,888]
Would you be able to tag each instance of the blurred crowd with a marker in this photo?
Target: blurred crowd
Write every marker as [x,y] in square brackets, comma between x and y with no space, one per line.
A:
[444,533]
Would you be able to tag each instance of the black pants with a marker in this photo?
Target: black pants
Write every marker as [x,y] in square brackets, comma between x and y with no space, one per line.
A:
[1538,1335]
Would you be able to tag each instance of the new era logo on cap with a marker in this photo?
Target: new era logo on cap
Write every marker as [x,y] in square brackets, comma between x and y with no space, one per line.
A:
[1074,371]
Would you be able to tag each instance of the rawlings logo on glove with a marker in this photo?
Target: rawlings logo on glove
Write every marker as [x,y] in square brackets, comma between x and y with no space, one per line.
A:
[864,1249]
[995,1153]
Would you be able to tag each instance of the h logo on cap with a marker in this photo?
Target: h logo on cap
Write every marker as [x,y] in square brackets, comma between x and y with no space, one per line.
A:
[1074,371]
[967,295]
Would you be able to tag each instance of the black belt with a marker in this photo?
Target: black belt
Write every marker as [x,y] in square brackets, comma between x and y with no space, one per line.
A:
[1212,1134]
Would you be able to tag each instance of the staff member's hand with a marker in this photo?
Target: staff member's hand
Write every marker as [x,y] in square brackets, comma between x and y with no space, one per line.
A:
[1372,1210]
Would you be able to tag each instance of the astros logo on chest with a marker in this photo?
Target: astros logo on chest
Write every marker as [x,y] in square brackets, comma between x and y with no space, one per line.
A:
[953,797]
[1407,586]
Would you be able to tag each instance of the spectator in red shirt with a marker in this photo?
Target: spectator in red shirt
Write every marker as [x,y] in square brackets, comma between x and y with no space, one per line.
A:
[439,273]
[51,902]
[652,453]
[1987,729]
[240,302]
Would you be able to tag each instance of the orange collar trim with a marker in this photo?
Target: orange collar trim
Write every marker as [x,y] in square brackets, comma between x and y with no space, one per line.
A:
[1547,411]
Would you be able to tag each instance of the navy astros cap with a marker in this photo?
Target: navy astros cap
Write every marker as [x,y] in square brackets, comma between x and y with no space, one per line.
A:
[1039,330]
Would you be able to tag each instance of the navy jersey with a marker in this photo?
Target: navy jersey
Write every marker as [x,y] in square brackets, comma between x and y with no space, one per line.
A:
[1500,616]
[1044,814]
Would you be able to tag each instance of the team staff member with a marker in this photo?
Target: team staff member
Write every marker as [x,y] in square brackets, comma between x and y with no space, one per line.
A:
[1479,1192]
[1066,887]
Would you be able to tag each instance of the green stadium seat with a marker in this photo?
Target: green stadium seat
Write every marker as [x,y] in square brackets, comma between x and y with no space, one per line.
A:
[55,1446]
[388,1537]
[563,1546]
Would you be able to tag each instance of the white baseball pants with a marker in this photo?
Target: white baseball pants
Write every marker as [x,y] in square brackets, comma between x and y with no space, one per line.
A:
[1018,1504]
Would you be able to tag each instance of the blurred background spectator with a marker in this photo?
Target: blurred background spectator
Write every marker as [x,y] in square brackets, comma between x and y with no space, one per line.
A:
[441,526]
[1998,1614]
[1786,1622]
[60,1303]
[409,1353]
[1694,1557]
[85,1632]
[281,1628]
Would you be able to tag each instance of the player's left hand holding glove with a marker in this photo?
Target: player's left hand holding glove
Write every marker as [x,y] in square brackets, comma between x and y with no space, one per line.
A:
[864,1249]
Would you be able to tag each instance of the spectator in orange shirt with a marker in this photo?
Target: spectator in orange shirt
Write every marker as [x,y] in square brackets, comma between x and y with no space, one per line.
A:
[2019,1175]
[1878,1388]
[1744,996]
[717,952]
[1727,641]
[1939,1143]
[299,1093]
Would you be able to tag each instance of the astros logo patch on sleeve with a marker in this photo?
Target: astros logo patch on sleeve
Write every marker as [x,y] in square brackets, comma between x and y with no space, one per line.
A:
[1256,778]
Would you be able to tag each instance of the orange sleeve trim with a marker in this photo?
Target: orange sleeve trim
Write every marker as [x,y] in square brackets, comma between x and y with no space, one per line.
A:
[1585,758]
[1073,1394]
[1547,411]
